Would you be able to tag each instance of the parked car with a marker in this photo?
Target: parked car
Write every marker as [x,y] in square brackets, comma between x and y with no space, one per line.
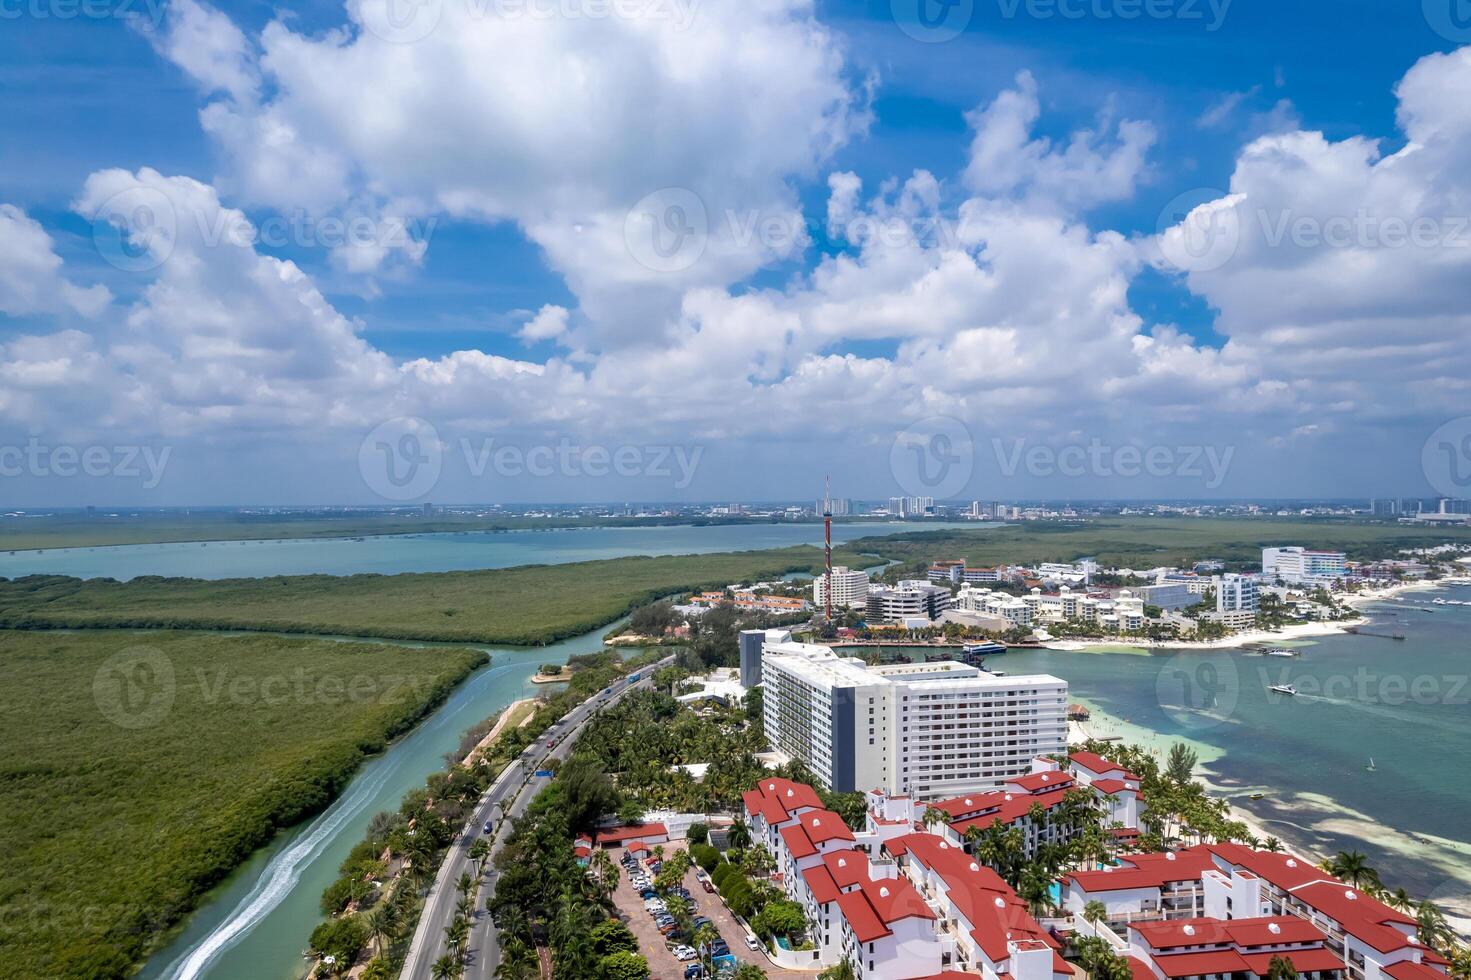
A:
[752,943]
[488,827]
[707,885]
[694,971]
[684,953]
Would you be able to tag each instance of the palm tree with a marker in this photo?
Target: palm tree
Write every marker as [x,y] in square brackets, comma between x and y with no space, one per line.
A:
[465,882]
[1352,867]
[1433,931]
[380,926]
[932,816]
[739,836]
[445,968]
[1400,899]
[480,853]
[1095,911]
[842,971]
[1272,845]
[704,937]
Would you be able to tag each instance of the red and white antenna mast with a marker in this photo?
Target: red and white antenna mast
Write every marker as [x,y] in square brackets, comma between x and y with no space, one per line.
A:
[827,534]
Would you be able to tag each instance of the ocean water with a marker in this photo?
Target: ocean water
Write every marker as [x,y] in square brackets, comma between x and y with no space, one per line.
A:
[1405,704]
[457,551]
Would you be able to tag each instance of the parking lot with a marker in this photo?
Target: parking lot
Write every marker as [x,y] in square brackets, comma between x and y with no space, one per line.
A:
[662,963]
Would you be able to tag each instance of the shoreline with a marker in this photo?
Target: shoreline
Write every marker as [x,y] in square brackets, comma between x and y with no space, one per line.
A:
[1106,727]
[1286,634]
[502,720]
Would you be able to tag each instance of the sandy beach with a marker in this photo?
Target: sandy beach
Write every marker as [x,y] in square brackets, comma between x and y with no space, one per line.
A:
[1454,896]
[1284,636]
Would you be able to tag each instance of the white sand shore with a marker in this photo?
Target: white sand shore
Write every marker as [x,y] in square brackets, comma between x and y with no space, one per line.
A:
[1285,635]
[1453,894]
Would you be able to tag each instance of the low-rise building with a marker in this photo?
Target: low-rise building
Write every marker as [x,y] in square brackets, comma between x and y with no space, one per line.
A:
[1369,940]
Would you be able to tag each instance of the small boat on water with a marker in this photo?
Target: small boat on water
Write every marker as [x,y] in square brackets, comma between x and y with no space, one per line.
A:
[1258,796]
[983,649]
[1370,766]
[1287,689]
[1281,652]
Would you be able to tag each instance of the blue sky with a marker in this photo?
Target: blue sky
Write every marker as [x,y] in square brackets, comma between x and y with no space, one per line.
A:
[85,95]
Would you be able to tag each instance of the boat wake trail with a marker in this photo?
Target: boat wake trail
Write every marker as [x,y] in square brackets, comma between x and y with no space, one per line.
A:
[277,880]
[284,870]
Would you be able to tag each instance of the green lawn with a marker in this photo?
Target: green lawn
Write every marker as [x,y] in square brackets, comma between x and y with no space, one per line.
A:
[1148,542]
[136,770]
[525,605]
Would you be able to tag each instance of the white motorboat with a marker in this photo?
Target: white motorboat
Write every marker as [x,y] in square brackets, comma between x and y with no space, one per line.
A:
[1287,689]
[1281,652]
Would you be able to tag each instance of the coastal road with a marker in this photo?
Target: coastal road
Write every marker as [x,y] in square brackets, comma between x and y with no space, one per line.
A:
[505,800]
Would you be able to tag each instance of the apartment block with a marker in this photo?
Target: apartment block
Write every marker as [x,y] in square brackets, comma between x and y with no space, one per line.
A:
[927,729]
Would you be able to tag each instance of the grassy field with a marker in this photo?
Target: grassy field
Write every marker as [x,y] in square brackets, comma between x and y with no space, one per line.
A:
[1148,542]
[137,769]
[92,531]
[531,604]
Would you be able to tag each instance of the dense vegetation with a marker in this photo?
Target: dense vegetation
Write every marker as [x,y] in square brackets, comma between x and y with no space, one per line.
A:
[374,906]
[137,770]
[1146,542]
[494,606]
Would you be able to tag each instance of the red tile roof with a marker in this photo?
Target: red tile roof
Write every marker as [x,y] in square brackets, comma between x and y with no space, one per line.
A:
[1414,971]
[1305,960]
[1039,782]
[824,825]
[1265,931]
[988,904]
[616,835]
[861,918]
[1198,964]
[820,883]
[776,798]
[1145,871]
[797,842]
[1109,787]
[847,868]
[1366,918]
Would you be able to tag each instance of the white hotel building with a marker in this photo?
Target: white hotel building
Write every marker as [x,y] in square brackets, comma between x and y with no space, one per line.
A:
[850,588]
[931,730]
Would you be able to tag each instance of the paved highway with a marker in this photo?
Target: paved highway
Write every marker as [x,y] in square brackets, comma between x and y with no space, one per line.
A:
[507,799]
